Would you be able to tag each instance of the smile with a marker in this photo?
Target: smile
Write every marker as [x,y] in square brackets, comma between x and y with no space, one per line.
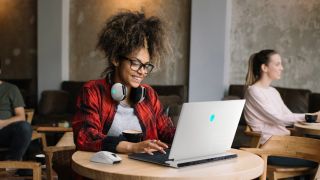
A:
[137,78]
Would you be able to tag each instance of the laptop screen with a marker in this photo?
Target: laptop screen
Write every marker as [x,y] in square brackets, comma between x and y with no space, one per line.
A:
[205,128]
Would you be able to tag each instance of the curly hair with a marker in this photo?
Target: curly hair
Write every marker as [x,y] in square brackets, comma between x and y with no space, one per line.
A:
[128,31]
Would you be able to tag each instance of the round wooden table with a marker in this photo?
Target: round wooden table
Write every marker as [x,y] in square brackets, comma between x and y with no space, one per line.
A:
[307,128]
[245,166]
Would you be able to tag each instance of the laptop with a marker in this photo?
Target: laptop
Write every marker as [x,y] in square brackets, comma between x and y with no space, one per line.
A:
[204,133]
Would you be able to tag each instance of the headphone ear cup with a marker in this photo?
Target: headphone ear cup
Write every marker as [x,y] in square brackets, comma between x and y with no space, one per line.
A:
[138,94]
[118,92]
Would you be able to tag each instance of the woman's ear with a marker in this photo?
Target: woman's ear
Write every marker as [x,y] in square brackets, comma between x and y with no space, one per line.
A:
[115,62]
[264,68]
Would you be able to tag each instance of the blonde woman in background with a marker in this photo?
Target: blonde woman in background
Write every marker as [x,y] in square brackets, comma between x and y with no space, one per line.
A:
[265,111]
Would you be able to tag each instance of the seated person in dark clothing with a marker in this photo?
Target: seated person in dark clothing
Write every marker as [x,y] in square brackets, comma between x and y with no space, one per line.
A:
[15,131]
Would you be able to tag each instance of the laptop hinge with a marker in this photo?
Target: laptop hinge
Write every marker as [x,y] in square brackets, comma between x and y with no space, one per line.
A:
[188,162]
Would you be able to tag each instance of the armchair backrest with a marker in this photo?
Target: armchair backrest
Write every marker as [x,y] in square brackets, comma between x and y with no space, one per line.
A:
[53,102]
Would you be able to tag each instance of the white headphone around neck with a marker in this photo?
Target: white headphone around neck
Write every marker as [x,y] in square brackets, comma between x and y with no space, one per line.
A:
[119,91]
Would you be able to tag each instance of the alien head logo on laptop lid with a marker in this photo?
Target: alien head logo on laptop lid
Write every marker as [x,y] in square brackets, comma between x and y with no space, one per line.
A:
[212,116]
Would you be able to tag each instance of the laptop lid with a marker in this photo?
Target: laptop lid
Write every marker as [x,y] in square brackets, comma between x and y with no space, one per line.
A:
[205,128]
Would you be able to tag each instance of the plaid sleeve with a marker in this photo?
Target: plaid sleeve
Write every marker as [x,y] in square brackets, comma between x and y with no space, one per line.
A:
[88,125]
[165,127]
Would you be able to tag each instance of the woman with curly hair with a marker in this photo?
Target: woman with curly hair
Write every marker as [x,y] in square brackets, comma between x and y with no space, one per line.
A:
[132,45]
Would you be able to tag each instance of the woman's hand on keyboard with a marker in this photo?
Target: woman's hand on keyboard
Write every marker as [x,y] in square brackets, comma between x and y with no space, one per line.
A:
[149,146]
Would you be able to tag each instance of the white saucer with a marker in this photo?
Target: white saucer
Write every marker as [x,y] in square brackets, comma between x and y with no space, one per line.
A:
[310,124]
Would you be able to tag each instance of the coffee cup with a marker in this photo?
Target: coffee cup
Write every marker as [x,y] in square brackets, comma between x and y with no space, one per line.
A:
[311,118]
[132,135]
[40,158]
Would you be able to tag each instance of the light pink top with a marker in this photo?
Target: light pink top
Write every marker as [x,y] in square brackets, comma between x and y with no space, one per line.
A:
[266,113]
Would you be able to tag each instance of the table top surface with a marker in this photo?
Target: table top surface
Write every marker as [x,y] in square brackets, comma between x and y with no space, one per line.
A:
[245,166]
[315,126]
[307,128]
[52,129]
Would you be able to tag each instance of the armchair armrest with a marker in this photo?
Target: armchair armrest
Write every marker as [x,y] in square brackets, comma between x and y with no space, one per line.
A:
[249,132]
[255,137]
[51,129]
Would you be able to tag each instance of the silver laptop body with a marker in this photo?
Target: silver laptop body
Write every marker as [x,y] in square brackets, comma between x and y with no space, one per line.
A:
[205,131]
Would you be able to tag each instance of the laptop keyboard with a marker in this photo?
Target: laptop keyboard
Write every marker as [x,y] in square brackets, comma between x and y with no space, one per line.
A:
[156,157]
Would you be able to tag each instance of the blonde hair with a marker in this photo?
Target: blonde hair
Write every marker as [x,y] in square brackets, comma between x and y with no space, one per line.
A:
[254,65]
[250,78]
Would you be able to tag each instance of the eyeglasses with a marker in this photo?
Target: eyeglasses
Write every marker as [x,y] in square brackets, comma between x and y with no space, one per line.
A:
[136,65]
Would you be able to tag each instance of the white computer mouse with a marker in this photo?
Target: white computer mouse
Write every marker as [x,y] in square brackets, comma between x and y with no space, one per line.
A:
[105,157]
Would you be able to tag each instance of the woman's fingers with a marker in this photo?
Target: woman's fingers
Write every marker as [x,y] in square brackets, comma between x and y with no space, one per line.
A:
[149,146]
[157,145]
[148,150]
[162,144]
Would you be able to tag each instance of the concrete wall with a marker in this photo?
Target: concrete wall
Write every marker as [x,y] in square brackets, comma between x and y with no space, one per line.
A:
[87,18]
[291,27]
[53,44]
[209,49]
[18,39]
[18,44]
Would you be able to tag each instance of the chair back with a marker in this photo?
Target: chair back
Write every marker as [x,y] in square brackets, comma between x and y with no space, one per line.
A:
[293,146]
[29,115]
[35,135]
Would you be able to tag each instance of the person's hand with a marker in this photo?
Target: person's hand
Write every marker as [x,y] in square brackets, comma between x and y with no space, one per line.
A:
[318,115]
[149,146]
[3,123]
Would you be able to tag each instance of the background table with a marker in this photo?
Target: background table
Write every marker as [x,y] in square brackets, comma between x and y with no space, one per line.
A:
[52,129]
[302,129]
[245,166]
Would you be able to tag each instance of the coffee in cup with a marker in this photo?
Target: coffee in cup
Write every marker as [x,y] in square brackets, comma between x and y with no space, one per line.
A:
[132,135]
[311,118]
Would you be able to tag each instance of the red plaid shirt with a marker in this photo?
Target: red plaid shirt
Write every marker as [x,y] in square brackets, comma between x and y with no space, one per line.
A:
[96,110]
